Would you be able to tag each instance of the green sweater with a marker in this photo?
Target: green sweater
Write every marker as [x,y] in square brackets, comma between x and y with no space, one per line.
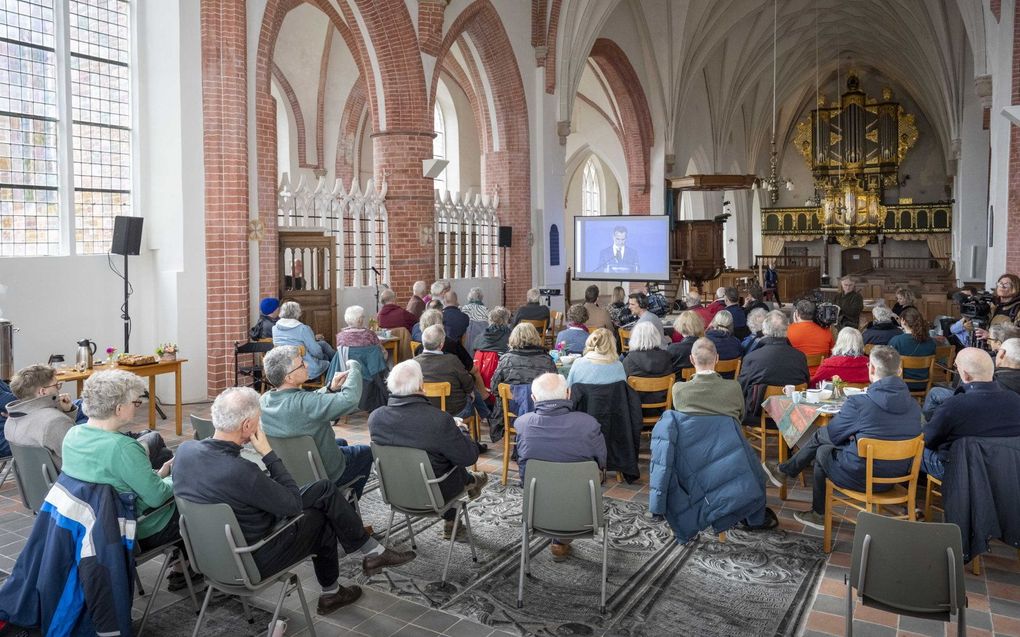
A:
[108,457]
[289,413]
[709,394]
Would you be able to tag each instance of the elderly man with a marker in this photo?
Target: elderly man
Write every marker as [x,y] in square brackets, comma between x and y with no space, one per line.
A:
[212,471]
[732,300]
[416,304]
[289,411]
[475,307]
[980,407]
[1007,365]
[707,392]
[455,321]
[410,420]
[555,433]
[693,302]
[808,336]
[392,315]
[597,317]
[532,310]
[883,328]
[436,292]
[289,330]
[850,303]
[773,362]
[886,411]
[638,304]
[445,368]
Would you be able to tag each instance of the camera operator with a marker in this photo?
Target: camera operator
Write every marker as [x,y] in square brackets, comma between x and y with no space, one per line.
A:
[980,310]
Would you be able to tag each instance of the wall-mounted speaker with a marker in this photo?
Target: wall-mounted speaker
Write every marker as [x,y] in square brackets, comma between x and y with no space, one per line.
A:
[127,235]
[506,236]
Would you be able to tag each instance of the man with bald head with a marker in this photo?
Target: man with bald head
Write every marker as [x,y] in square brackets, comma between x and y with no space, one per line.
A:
[981,407]
[1007,365]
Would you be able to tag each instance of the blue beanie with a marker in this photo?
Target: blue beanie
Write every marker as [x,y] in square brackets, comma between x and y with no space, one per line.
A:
[269,305]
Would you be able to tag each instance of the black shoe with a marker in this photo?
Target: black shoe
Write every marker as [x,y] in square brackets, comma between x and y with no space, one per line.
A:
[771,522]
[329,603]
[376,563]
[176,582]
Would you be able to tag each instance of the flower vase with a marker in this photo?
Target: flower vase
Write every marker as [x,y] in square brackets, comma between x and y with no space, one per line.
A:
[168,357]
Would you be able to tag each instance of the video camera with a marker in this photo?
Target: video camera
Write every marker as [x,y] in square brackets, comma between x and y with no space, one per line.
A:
[826,314]
[978,308]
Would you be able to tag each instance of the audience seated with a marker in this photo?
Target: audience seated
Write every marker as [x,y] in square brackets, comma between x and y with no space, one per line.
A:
[289,411]
[638,304]
[904,298]
[914,341]
[410,420]
[496,336]
[720,332]
[648,359]
[450,346]
[392,315]
[774,362]
[755,300]
[475,308]
[690,326]
[1007,365]
[847,361]
[883,329]
[806,335]
[597,317]
[291,331]
[436,292]
[693,303]
[39,416]
[707,392]
[416,304]
[720,301]
[532,310]
[556,433]
[445,368]
[212,471]
[524,361]
[600,364]
[754,320]
[618,309]
[850,303]
[356,334]
[455,321]
[739,322]
[572,337]
[886,411]
[999,334]
[980,407]
[269,309]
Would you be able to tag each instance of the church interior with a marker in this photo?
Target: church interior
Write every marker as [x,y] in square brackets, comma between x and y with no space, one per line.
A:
[181,171]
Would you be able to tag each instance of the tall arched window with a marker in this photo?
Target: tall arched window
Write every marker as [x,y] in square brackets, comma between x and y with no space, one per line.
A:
[439,144]
[591,190]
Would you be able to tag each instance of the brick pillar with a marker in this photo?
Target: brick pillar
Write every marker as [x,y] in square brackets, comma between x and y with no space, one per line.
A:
[225,148]
[410,205]
[509,170]
[1013,211]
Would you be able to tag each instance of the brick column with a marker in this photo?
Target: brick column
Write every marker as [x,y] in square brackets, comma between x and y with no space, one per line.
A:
[1013,211]
[225,149]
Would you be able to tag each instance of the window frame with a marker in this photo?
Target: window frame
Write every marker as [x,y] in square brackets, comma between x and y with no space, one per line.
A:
[597,192]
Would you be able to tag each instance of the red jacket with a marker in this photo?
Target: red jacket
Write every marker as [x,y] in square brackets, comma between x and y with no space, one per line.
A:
[392,315]
[852,369]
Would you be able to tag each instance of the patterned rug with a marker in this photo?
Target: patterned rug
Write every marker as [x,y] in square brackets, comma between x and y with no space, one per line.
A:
[752,584]
[224,617]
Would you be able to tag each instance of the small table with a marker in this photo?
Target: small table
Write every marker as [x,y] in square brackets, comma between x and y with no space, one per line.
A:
[145,371]
[795,421]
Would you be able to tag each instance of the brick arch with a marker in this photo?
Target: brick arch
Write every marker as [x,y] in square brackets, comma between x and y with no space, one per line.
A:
[295,109]
[348,141]
[635,119]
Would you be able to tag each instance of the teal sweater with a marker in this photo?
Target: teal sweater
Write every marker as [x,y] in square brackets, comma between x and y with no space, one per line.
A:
[289,413]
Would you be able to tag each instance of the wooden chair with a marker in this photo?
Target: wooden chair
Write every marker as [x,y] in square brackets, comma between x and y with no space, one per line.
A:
[814,360]
[868,348]
[555,322]
[758,436]
[943,372]
[542,327]
[504,396]
[414,347]
[721,367]
[919,362]
[872,449]
[438,390]
[312,383]
[643,385]
[624,340]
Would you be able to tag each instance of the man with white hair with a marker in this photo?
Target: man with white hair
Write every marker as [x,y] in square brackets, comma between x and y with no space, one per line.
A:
[446,368]
[436,291]
[289,411]
[883,328]
[532,310]
[455,321]
[980,407]
[475,307]
[416,304]
[212,471]
[1007,365]
[391,315]
[556,433]
[707,392]
[773,362]
[410,420]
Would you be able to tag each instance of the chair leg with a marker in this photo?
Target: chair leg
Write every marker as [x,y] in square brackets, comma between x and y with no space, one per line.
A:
[467,527]
[827,541]
[849,610]
[927,501]
[605,566]
[167,559]
[187,578]
[247,611]
[7,466]
[506,455]
[304,606]
[453,540]
[524,562]
[975,565]
[961,623]
[201,613]
[410,530]
[722,536]
[279,604]
[389,527]
[782,453]
[138,582]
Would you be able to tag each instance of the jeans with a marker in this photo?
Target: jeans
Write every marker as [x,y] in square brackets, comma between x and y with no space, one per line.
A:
[359,465]
[475,404]
[931,463]
[328,351]
[936,397]
[818,448]
[328,517]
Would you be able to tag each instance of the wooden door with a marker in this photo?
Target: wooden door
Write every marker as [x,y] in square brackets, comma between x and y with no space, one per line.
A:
[307,272]
[855,260]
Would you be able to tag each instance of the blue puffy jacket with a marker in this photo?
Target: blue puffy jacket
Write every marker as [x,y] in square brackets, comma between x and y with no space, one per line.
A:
[703,474]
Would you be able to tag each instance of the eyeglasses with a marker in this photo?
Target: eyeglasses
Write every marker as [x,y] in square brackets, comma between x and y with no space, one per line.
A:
[300,365]
[56,384]
[1003,284]
[137,402]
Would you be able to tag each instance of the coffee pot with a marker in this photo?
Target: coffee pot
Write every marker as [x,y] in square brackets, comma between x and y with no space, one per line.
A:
[86,350]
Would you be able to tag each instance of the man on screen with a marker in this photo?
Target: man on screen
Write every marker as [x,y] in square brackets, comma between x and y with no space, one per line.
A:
[618,258]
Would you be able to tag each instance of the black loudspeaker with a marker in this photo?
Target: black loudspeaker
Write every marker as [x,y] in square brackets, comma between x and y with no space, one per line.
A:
[127,235]
[506,236]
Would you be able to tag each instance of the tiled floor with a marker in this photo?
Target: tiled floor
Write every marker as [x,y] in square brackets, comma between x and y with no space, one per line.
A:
[993,596]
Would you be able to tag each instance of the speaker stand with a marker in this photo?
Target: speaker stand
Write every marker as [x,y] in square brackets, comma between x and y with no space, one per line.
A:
[125,315]
[502,272]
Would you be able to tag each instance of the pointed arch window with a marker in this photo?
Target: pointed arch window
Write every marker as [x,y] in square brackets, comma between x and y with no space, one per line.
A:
[439,144]
[591,190]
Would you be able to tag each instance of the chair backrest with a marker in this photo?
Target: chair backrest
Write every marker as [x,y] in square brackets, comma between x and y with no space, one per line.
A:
[35,471]
[563,496]
[644,385]
[872,449]
[814,360]
[403,479]
[211,533]
[540,325]
[624,339]
[687,373]
[857,385]
[203,427]
[942,370]
[868,348]
[414,347]
[889,557]
[732,365]
[301,457]
[918,362]
[556,321]
[438,390]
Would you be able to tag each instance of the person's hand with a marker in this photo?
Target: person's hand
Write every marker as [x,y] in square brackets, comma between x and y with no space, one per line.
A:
[65,403]
[980,334]
[260,442]
[338,380]
[320,337]
[967,324]
[164,471]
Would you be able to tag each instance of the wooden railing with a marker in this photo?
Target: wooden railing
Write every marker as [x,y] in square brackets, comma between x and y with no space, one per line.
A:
[787,261]
[910,263]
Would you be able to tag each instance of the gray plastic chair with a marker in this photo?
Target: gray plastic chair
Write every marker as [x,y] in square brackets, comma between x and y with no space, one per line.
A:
[36,471]
[908,568]
[303,462]
[172,553]
[562,500]
[217,549]
[409,485]
[203,427]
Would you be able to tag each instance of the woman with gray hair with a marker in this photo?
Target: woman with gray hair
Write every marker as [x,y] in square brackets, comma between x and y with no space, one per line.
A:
[720,332]
[356,334]
[883,328]
[848,360]
[755,318]
[475,308]
[648,359]
[496,337]
[97,452]
[289,330]
[571,339]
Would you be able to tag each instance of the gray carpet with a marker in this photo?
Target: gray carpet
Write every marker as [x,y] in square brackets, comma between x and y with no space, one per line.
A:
[753,584]
[223,618]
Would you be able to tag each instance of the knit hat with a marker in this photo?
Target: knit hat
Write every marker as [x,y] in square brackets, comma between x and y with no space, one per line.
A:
[269,305]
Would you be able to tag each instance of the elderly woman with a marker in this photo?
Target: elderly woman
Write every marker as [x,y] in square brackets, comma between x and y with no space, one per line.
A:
[576,333]
[755,319]
[600,364]
[356,334]
[847,361]
[883,328]
[475,308]
[525,361]
[97,452]
[904,299]
[720,332]
[646,357]
[618,310]
[496,336]
[289,330]
[691,327]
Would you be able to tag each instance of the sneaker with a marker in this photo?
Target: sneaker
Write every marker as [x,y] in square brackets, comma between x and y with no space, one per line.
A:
[560,552]
[329,603]
[481,479]
[810,519]
[373,564]
[774,473]
[448,531]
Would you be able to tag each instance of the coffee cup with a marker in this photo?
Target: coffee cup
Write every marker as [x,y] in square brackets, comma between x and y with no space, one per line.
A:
[789,390]
[814,395]
[797,397]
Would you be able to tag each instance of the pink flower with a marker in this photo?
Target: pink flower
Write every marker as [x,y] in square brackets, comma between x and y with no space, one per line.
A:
[110,350]
[561,345]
